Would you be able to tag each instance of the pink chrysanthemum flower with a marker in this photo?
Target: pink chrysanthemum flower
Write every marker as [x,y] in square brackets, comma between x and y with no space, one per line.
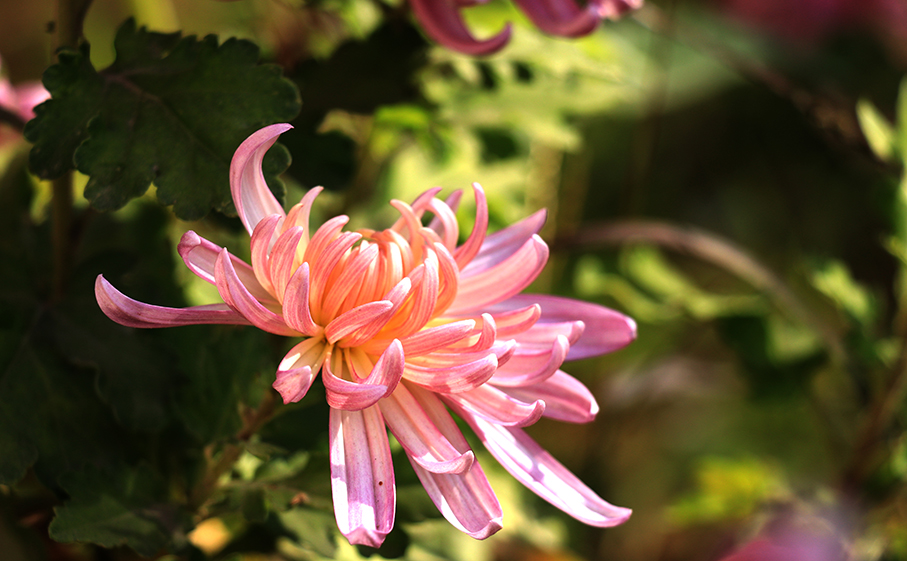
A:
[442,21]
[404,324]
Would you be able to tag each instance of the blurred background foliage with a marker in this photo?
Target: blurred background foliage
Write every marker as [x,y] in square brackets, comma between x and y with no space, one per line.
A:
[727,172]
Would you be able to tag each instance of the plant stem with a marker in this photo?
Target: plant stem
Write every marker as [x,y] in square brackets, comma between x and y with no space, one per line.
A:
[253,420]
[68,27]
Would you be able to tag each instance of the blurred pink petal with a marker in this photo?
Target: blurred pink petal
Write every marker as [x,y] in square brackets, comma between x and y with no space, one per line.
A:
[399,322]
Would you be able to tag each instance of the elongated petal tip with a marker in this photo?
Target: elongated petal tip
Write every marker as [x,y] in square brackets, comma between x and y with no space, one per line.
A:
[250,192]
[364,536]
[490,529]
[293,384]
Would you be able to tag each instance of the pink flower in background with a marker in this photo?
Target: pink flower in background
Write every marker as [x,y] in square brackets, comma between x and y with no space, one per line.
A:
[404,324]
[19,101]
[812,20]
[442,21]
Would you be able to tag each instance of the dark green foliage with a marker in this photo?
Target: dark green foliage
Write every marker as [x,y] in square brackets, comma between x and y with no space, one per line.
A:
[122,506]
[169,110]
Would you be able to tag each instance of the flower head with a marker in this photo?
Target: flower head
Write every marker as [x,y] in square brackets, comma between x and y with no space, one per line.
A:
[563,18]
[405,325]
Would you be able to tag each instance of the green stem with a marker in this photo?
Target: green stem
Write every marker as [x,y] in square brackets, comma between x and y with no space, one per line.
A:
[253,420]
[68,27]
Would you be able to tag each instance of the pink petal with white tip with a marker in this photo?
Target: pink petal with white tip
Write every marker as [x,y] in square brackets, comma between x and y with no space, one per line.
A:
[466,500]
[238,297]
[442,22]
[199,255]
[566,398]
[494,405]
[362,476]
[424,443]
[131,313]
[542,474]
[251,195]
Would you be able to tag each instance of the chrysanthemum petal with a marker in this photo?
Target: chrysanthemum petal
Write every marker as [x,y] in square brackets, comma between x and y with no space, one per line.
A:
[605,330]
[132,313]
[541,473]
[381,382]
[455,378]
[502,280]
[362,476]
[424,443]
[466,500]
[293,384]
[470,248]
[433,338]
[366,333]
[502,244]
[442,22]
[282,259]
[563,18]
[354,319]
[262,241]
[296,310]
[199,255]
[251,195]
[566,398]
[532,365]
[238,297]
[494,405]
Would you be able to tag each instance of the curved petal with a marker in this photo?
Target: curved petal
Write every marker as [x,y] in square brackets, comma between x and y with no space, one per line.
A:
[381,382]
[502,244]
[293,384]
[494,405]
[454,378]
[260,246]
[238,297]
[282,258]
[413,426]
[132,313]
[362,476]
[563,18]
[532,365]
[442,22]
[535,468]
[357,318]
[251,195]
[296,310]
[566,398]
[470,248]
[199,255]
[431,339]
[466,500]
[503,280]
[605,330]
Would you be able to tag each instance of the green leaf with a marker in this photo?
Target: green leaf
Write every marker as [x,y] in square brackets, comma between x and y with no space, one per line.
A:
[878,131]
[112,508]
[222,365]
[52,406]
[169,110]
